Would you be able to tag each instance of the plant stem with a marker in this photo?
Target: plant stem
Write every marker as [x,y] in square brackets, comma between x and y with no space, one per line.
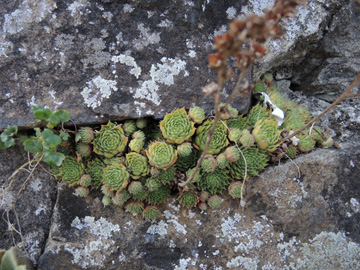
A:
[344,95]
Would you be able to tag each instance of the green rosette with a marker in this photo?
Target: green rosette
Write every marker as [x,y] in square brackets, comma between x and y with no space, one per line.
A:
[116,177]
[167,176]
[158,196]
[256,160]
[71,171]
[161,155]
[215,182]
[110,140]
[239,122]
[137,164]
[267,134]
[95,170]
[219,140]
[189,199]
[197,114]
[176,126]
[256,113]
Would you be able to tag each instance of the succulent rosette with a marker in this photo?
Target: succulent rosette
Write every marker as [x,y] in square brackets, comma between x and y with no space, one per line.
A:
[151,212]
[215,201]
[259,87]
[141,123]
[197,114]
[152,184]
[229,112]
[183,163]
[215,182]
[232,153]
[110,140]
[71,171]
[184,149]
[294,119]
[121,197]
[266,134]
[256,113]
[239,122]
[82,191]
[116,177]
[219,140]
[85,135]
[161,155]
[306,143]
[137,164]
[159,195]
[235,135]
[134,208]
[83,149]
[167,176]
[95,170]
[235,189]
[85,180]
[256,160]
[176,126]
[222,161]
[188,199]
[129,127]
[137,190]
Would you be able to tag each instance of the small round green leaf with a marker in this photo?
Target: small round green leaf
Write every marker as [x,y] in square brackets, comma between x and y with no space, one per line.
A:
[50,139]
[33,145]
[59,116]
[53,158]
[41,113]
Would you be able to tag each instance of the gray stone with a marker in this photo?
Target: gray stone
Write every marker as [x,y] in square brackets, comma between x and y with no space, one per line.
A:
[289,222]
[107,60]
[26,207]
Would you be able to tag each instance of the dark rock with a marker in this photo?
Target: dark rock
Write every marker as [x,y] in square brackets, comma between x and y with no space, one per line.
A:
[26,207]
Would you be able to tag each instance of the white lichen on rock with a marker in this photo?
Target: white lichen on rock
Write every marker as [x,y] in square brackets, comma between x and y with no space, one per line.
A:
[97,90]
[145,38]
[27,13]
[129,61]
[161,73]
[100,233]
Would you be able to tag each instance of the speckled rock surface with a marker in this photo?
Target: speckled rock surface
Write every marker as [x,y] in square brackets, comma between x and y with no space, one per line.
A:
[33,207]
[107,59]
[289,222]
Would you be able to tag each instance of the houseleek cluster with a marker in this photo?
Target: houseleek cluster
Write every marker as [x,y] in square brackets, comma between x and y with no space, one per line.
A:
[139,163]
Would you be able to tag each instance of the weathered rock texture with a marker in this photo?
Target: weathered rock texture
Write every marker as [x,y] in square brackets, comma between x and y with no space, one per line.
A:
[107,59]
[25,215]
[309,221]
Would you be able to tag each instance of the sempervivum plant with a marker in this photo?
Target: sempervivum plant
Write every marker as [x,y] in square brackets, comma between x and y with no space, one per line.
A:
[235,134]
[256,113]
[215,201]
[215,182]
[256,160]
[188,199]
[235,189]
[110,140]
[232,153]
[219,140]
[306,143]
[167,176]
[239,122]
[129,127]
[136,145]
[95,170]
[137,190]
[85,135]
[228,112]
[134,208]
[84,150]
[151,212]
[159,195]
[137,164]
[71,171]
[176,126]
[152,184]
[266,134]
[197,114]
[222,161]
[116,177]
[161,155]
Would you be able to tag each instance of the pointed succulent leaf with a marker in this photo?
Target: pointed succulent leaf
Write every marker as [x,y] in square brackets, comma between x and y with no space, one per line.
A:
[256,113]
[116,177]
[219,140]
[167,176]
[137,164]
[134,208]
[110,140]
[161,155]
[228,112]
[215,201]
[235,189]
[239,122]
[136,145]
[129,127]
[177,127]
